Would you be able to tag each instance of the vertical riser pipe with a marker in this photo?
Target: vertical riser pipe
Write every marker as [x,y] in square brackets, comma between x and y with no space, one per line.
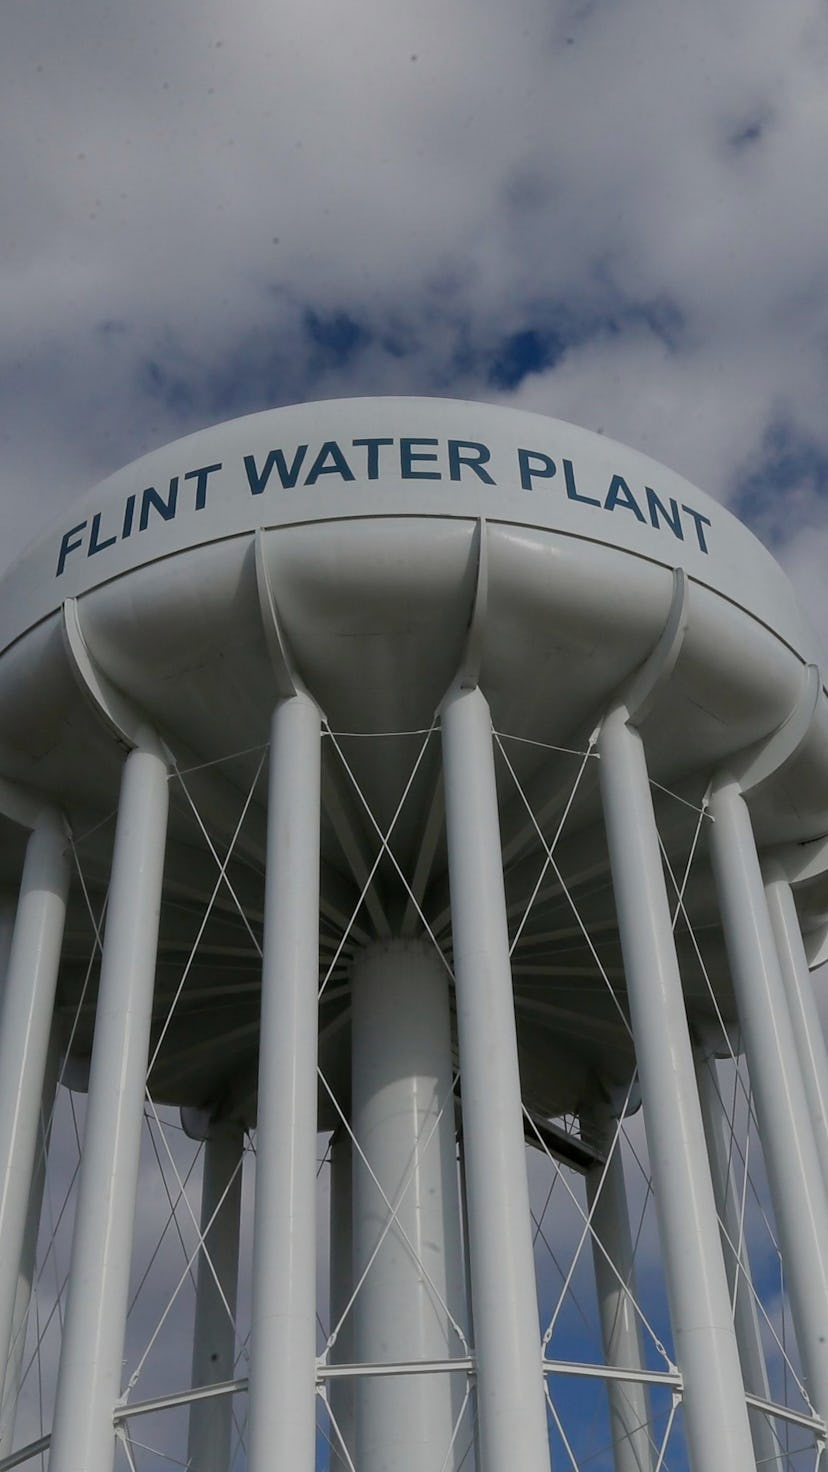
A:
[209,1445]
[630,1416]
[403,1120]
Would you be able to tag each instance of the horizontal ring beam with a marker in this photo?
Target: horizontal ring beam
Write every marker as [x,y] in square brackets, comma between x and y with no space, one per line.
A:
[324,1373]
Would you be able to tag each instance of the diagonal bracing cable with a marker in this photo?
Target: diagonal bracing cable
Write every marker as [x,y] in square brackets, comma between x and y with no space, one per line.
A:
[392,1218]
[569,898]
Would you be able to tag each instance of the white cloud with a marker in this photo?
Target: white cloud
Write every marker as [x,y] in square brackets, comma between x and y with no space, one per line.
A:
[194,180]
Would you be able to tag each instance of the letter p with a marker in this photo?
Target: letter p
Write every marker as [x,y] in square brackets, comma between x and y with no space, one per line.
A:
[534,465]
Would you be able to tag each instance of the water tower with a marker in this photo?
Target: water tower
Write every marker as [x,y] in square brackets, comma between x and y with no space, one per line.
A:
[428,779]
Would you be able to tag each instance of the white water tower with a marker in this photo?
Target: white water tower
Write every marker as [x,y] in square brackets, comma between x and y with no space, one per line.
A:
[424,779]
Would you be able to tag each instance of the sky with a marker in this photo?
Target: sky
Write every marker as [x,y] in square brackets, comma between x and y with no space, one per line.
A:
[609,212]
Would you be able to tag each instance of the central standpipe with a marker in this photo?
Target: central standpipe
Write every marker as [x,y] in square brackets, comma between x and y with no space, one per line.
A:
[614,1264]
[209,1444]
[403,1121]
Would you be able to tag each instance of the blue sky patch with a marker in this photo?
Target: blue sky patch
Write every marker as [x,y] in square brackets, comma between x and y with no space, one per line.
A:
[337,335]
[787,482]
[530,351]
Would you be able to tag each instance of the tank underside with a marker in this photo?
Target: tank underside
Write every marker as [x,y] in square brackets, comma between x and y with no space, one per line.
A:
[375,615]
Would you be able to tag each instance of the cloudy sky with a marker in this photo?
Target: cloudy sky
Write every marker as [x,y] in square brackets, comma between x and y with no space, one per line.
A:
[612,211]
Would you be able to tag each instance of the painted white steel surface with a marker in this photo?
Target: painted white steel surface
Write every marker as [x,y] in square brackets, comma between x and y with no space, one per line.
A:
[89,1379]
[16,1363]
[209,1443]
[794,1172]
[403,1119]
[810,1040]
[720,1150]
[10,1384]
[715,1414]
[25,1026]
[510,1395]
[282,1426]
[614,1267]
[368,517]
[387,456]
[340,1390]
[8,907]
[381,528]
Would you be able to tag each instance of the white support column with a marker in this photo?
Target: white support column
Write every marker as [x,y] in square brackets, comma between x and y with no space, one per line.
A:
[282,1425]
[28,1256]
[793,1166]
[810,1040]
[403,1119]
[8,1376]
[472,1463]
[209,1444]
[25,1027]
[629,1403]
[745,1317]
[89,1378]
[341,1391]
[8,910]
[510,1392]
[715,1414]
